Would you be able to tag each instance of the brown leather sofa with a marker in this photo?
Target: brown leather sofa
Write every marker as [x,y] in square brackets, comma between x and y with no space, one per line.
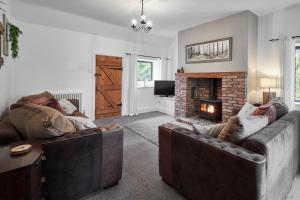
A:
[80,163]
[77,164]
[263,166]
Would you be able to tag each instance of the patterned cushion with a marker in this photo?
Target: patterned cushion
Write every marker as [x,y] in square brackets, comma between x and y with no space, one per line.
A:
[250,125]
[211,130]
[246,110]
[67,106]
[81,123]
[280,105]
[271,114]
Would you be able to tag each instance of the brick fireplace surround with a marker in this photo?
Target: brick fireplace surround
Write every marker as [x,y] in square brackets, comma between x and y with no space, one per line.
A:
[232,91]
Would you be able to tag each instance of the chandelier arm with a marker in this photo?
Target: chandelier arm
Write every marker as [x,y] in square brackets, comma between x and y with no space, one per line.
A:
[142,8]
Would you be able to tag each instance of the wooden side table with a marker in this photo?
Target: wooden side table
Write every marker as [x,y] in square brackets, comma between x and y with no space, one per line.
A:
[20,176]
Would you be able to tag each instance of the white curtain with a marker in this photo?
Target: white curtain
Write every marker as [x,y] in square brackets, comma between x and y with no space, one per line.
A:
[287,69]
[132,84]
[164,66]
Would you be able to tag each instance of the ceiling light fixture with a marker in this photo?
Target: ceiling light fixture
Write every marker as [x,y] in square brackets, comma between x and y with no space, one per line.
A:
[144,25]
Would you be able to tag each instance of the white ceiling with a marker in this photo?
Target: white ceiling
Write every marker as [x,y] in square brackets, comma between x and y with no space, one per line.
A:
[168,16]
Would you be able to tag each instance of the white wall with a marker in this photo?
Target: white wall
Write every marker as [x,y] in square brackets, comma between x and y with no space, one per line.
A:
[242,27]
[62,60]
[283,22]
[235,26]
[7,71]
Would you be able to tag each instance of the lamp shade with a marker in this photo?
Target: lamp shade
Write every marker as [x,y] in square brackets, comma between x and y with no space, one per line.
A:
[268,83]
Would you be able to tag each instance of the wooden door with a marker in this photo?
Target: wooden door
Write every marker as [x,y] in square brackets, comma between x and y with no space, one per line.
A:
[108,86]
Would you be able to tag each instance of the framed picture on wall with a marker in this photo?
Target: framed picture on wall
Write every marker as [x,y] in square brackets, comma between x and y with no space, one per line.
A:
[211,51]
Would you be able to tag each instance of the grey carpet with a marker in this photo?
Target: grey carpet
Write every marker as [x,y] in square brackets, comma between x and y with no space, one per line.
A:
[148,127]
[141,180]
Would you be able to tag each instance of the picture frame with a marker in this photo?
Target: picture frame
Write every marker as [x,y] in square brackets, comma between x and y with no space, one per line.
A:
[5,35]
[219,50]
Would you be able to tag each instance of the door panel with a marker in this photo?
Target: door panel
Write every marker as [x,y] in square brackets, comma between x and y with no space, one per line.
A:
[108,86]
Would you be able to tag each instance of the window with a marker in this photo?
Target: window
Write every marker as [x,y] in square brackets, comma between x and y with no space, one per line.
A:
[144,73]
[297,79]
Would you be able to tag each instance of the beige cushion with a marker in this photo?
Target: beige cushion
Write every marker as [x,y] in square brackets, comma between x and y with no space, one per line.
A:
[37,122]
[81,123]
[211,130]
[230,128]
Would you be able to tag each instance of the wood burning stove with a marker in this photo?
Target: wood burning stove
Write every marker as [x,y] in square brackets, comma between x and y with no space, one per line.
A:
[211,108]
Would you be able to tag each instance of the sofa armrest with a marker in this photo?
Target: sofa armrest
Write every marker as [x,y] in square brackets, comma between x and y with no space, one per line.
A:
[76,164]
[165,149]
[112,157]
[279,142]
[202,165]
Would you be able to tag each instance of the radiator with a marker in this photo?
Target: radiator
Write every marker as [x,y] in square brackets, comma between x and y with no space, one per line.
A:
[69,95]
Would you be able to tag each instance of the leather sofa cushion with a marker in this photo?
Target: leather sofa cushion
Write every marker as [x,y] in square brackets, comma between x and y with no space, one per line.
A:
[37,122]
[8,133]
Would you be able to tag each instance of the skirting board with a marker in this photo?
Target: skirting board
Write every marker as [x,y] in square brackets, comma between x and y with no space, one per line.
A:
[160,109]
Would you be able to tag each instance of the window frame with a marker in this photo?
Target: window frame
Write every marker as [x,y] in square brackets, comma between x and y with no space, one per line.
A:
[297,48]
[152,75]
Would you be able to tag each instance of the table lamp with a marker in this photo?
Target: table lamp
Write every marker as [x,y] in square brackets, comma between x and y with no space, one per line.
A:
[268,83]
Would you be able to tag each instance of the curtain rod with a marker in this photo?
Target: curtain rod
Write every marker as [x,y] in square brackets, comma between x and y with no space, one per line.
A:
[276,39]
[129,54]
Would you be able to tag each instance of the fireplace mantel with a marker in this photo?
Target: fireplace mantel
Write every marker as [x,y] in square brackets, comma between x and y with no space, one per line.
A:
[213,74]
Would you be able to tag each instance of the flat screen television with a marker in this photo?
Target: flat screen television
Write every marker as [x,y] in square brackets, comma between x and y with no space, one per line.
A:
[164,88]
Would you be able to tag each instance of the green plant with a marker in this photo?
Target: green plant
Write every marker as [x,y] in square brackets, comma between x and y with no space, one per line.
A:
[14,33]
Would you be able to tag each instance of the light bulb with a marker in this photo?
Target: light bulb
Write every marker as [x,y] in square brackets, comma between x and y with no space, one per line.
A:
[143,17]
[134,21]
[149,23]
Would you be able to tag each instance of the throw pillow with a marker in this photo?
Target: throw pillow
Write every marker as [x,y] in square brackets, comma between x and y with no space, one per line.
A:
[246,110]
[31,98]
[261,110]
[81,123]
[271,114]
[211,130]
[250,125]
[280,106]
[39,122]
[231,126]
[43,99]
[67,106]
[79,114]
[53,103]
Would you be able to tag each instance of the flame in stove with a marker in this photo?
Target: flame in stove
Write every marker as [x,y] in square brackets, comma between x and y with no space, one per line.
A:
[210,109]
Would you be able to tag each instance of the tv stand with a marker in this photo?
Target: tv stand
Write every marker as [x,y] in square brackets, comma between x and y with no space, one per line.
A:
[167,96]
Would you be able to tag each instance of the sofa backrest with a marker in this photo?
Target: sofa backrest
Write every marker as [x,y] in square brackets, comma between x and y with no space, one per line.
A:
[8,134]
